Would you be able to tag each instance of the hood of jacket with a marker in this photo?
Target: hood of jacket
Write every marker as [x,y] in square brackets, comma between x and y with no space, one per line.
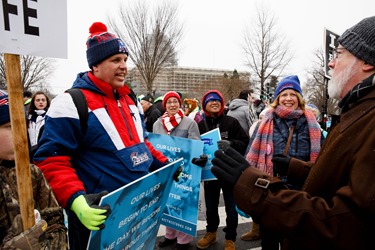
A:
[236,103]
[222,102]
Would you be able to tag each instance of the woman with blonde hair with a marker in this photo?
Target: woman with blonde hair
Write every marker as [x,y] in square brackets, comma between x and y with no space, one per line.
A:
[287,130]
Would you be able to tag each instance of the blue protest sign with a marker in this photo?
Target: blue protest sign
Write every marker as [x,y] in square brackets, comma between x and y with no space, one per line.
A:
[181,211]
[210,140]
[136,210]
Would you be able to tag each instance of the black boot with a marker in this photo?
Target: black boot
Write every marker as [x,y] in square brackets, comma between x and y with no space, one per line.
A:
[182,246]
[167,242]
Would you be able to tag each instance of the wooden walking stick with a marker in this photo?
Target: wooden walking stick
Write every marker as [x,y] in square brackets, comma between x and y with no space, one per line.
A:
[18,123]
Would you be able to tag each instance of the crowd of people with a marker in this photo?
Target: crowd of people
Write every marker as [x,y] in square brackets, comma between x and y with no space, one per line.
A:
[303,186]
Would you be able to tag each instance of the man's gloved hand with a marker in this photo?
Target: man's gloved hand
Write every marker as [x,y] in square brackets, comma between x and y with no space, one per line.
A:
[156,164]
[281,164]
[228,166]
[28,239]
[88,212]
[201,161]
[223,144]
[177,174]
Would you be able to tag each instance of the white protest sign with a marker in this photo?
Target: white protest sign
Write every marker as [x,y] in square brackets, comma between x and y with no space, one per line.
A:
[34,27]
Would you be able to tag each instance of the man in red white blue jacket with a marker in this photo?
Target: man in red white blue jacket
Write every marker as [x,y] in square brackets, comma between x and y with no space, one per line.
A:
[82,165]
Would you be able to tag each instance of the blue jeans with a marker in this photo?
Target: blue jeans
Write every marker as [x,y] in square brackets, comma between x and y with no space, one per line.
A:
[212,196]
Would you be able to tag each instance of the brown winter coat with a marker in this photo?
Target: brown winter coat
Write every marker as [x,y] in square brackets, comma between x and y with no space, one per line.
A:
[336,209]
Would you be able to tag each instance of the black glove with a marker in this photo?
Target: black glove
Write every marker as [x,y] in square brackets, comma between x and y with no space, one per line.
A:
[281,164]
[88,212]
[228,166]
[177,174]
[223,144]
[201,161]
[94,199]
[156,164]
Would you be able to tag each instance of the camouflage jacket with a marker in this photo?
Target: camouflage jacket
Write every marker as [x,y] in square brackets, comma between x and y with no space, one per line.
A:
[55,236]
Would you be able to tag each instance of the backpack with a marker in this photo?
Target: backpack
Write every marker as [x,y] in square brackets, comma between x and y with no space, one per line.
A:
[80,102]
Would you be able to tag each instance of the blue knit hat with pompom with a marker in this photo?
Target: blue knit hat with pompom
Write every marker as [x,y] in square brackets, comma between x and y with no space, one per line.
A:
[101,44]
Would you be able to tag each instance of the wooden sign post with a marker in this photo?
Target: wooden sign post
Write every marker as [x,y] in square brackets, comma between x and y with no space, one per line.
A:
[18,123]
[28,28]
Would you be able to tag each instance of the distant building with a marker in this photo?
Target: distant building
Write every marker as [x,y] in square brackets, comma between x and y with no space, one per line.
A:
[181,79]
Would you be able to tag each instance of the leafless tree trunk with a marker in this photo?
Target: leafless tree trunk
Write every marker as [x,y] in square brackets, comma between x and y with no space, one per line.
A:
[267,52]
[315,87]
[152,35]
[35,72]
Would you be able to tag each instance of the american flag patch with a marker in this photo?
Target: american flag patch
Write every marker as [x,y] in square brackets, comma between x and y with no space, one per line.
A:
[4,101]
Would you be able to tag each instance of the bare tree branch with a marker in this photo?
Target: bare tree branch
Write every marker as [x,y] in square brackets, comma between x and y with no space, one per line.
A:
[35,72]
[267,52]
[152,35]
[315,87]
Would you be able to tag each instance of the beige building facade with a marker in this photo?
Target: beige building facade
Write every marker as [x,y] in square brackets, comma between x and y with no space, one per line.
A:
[188,81]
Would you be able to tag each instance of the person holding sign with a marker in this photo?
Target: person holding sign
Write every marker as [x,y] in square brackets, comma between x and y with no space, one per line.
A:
[335,208]
[49,231]
[174,123]
[232,135]
[85,159]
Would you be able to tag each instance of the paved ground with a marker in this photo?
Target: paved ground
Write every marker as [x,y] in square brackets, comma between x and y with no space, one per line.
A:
[219,245]
[243,226]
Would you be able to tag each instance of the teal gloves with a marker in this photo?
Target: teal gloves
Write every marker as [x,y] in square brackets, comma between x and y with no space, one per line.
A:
[88,212]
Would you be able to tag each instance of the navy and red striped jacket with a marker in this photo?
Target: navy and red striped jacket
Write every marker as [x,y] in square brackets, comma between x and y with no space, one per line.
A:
[112,152]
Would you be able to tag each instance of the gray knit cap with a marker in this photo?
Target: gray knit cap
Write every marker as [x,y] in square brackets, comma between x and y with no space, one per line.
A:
[359,40]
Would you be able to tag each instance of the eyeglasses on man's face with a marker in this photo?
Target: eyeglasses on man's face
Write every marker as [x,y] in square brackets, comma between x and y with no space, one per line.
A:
[337,52]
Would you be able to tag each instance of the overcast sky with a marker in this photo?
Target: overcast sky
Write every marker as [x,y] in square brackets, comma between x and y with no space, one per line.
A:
[214,29]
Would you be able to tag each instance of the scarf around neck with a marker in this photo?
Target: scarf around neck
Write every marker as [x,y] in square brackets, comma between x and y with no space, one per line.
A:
[356,93]
[171,122]
[261,150]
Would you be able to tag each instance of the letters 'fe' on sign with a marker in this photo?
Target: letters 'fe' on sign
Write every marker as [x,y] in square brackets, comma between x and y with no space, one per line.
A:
[34,27]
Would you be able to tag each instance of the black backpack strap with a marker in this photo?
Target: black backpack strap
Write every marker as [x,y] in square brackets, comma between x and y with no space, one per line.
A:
[80,102]
[133,96]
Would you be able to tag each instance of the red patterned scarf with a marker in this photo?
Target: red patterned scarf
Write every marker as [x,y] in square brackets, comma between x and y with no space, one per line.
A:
[261,150]
[170,122]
